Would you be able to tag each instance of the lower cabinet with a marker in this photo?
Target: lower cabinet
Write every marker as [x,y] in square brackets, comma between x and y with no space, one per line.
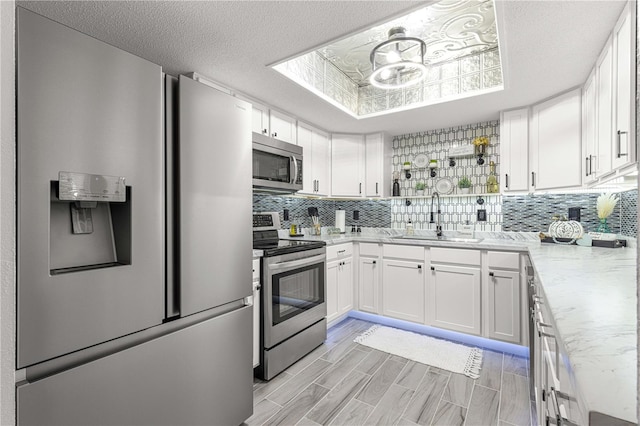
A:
[454,298]
[256,312]
[368,284]
[504,305]
[339,287]
[403,290]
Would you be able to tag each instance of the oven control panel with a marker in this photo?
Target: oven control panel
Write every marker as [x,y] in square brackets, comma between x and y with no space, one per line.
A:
[266,221]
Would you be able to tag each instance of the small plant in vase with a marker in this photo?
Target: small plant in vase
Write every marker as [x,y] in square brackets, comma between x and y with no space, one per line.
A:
[464,184]
[605,203]
[420,186]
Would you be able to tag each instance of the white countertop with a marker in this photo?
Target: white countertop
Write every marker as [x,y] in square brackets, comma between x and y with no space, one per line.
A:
[591,292]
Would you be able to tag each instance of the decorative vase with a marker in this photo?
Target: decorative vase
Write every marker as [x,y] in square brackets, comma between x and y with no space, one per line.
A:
[420,192]
[603,227]
[465,190]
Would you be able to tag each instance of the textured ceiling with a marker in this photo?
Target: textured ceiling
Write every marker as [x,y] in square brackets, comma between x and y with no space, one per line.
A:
[546,46]
[450,28]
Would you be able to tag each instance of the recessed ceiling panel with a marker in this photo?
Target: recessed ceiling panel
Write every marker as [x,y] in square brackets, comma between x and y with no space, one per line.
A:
[462,57]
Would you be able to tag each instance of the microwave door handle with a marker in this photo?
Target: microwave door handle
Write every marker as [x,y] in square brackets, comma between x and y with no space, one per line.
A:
[294,176]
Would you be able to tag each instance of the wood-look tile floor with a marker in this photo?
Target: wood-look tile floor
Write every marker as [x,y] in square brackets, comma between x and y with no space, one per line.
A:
[344,383]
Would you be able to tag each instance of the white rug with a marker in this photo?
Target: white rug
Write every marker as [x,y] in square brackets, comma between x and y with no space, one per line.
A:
[424,349]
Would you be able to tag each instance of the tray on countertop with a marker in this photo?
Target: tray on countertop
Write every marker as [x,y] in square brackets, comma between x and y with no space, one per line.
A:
[594,243]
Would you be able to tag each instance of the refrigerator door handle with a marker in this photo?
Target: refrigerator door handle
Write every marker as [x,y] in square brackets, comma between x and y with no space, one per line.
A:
[294,175]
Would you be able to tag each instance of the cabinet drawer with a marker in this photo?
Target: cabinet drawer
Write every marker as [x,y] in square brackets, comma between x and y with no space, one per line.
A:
[503,260]
[459,256]
[404,252]
[256,269]
[340,250]
[369,249]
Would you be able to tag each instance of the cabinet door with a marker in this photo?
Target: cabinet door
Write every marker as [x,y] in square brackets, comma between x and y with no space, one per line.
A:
[514,145]
[504,305]
[604,107]
[589,127]
[368,284]
[403,290]
[305,140]
[346,165]
[556,146]
[345,286]
[320,149]
[624,49]
[373,165]
[454,298]
[333,270]
[282,126]
[260,119]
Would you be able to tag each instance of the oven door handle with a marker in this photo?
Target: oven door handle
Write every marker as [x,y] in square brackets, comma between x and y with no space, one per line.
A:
[294,176]
[291,264]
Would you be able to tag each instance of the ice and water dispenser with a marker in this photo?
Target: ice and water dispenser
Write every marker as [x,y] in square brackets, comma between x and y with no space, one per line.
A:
[90,222]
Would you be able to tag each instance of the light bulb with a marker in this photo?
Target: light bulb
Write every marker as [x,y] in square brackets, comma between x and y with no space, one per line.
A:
[393,56]
[385,74]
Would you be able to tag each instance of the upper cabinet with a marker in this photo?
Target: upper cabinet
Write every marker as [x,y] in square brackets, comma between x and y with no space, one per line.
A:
[514,145]
[555,148]
[589,128]
[315,168]
[624,49]
[600,163]
[272,123]
[282,126]
[378,153]
[347,165]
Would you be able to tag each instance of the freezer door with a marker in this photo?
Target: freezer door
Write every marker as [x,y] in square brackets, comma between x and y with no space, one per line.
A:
[200,375]
[215,196]
[85,106]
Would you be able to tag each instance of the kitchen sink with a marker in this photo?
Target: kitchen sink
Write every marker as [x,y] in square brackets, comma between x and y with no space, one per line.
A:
[436,238]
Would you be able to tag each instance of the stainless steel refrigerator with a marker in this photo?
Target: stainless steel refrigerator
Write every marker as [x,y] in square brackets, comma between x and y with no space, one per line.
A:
[134,250]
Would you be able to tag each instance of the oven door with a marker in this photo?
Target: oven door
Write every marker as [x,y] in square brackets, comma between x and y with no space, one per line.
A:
[293,294]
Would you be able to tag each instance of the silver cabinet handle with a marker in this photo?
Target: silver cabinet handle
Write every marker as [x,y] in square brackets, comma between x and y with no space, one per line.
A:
[318,186]
[360,188]
[419,266]
[586,166]
[341,251]
[591,164]
[491,274]
[506,180]
[533,178]
[620,154]
[376,188]
[374,262]
[264,131]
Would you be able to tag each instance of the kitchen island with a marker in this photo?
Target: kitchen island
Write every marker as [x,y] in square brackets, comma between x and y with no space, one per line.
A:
[591,294]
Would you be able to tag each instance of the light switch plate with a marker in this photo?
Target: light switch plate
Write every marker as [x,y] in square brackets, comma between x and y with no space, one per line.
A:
[482,215]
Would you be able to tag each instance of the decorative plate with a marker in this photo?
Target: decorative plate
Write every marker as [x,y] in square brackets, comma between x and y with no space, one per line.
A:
[566,229]
[444,186]
[421,161]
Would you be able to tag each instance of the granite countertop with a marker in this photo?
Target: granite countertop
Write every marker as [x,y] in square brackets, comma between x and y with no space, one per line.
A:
[591,293]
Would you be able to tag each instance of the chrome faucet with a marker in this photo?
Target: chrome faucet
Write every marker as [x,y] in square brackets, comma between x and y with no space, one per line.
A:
[438,226]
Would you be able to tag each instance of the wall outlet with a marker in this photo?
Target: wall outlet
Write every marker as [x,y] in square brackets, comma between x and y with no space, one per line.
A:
[482,215]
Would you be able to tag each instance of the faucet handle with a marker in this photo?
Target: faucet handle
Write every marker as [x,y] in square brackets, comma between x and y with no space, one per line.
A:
[431,217]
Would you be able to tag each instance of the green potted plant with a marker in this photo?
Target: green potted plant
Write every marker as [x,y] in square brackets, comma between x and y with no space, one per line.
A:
[464,184]
[420,186]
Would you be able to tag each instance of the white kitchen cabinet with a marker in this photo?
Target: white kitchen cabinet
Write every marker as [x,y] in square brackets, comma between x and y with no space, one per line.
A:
[604,111]
[555,152]
[454,298]
[315,166]
[514,145]
[403,289]
[589,129]
[256,312]
[282,126]
[378,152]
[339,281]
[624,53]
[502,295]
[369,264]
[347,165]
[260,118]
[504,305]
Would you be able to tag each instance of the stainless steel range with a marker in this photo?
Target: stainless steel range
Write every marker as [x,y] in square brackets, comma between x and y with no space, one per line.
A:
[294,307]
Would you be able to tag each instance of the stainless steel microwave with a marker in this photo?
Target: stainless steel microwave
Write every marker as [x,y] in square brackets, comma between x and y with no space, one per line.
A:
[277,165]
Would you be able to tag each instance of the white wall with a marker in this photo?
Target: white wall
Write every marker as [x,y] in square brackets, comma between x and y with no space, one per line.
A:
[7,213]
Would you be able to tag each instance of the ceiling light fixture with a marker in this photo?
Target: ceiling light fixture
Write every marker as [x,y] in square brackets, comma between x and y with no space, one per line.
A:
[399,61]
